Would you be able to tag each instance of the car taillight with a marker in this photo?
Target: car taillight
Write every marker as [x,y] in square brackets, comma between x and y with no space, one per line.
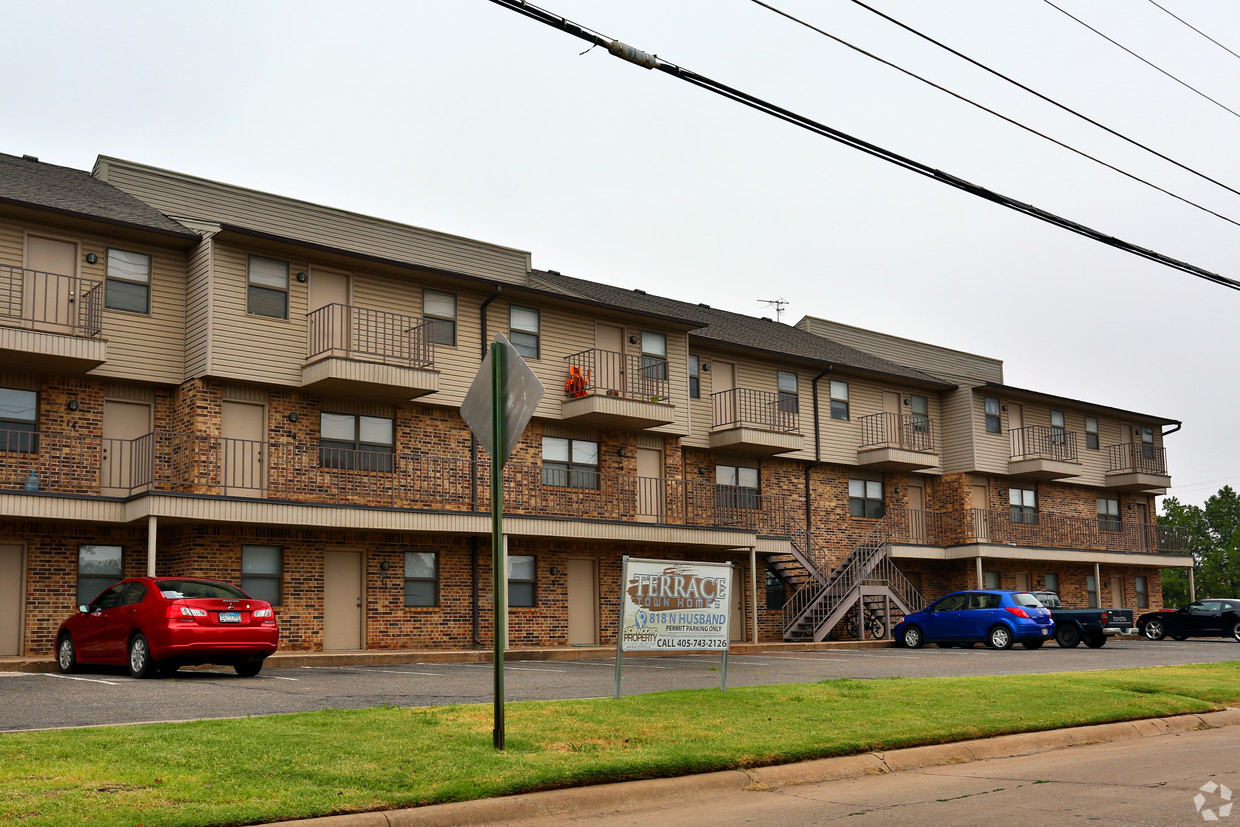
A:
[1019,612]
[1104,617]
[186,613]
[267,612]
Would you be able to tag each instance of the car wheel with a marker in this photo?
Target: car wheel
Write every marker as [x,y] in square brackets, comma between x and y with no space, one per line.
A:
[1032,644]
[1096,641]
[1235,631]
[140,663]
[912,638]
[1000,637]
[1068,636]
[66,655]
[248,669]
[1153,630]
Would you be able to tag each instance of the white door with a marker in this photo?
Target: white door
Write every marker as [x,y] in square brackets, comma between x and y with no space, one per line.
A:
[48,299]
[722,382]
[329,330]
[608,359]
[650,488]
[124,422]
[582,602]
[241,452]
[12,600]
[342,600]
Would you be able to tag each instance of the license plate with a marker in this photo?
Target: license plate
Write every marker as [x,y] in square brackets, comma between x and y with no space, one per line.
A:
[230,617]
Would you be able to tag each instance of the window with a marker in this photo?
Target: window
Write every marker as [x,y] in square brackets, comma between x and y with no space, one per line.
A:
[695,378]
[440,308]
[262,573]
[1091,433]
[865,498]
[789,399]
[1108,514]
[19,420]
[1051,582]
[361,443]
[920,408]
[774,591]
[839,400]
[1143,592]
[268,294]
[990,580]
[993,424]
[129,282]
[654,355]
[521,581]
[421,578]
[1058,431]
[738,486]
[523,330]
[1091,591]
[1147,442]
[570,463]
[1024,502]
[98,568]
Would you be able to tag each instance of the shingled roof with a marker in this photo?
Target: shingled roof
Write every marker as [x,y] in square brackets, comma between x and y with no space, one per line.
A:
[29,182]
[736,329]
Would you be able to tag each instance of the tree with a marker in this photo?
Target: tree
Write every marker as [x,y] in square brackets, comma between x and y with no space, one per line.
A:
[1214,541]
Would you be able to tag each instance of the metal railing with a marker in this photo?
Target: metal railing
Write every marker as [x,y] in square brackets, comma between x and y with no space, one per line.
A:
[1043,442]
[607,373]
[1141,458]
[50,302]
[978,525]
[911,431]
[745,407]
[370,335]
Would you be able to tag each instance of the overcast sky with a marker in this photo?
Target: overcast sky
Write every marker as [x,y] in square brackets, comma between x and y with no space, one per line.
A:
[464,117]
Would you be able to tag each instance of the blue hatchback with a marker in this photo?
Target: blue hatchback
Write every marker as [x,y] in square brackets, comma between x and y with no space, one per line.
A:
[996,618]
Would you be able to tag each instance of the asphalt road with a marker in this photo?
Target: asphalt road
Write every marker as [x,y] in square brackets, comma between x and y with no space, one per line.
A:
[37,701]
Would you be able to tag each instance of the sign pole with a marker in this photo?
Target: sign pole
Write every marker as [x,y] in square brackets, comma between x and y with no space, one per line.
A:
[498,368]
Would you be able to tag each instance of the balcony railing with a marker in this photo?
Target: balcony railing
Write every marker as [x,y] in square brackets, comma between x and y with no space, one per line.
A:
[1044,442]
[1140,458]
[603,372]
[910,431]
[371,336]
[50,302]
[745,407]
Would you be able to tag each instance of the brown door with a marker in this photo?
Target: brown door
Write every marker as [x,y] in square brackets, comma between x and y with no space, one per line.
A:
[1117,591]
[891,422]
[49,299]
[329,330]
[916,512]
[722,385]
[582,602]
[342,600]
[241,451]
[608,359]
[1143,528]
[124,459]
[981,513]
[650,486]
[12,600]
[1022,581]
[737,621]
[1016,421]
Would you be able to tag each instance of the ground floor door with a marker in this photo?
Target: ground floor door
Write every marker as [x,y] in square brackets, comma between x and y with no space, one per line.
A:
[1022,581]
[1117,591]
[737,621]
[12,600]
[582,602]
[342,600]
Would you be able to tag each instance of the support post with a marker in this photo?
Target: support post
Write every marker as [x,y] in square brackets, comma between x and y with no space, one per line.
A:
[753,578]
[152,528]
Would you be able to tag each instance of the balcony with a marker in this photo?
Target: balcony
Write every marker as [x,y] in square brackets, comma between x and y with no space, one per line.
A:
[50,323]
[756,423]
[617,390]
[353,351]
[897,442]
[1137,467]
[1040,452]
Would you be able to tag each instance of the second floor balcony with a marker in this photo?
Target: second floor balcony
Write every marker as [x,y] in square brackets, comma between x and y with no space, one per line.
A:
[356,351]
[753,422]
[897,442]
[1042,452]
[617,390]
[1137,467]
[52,323]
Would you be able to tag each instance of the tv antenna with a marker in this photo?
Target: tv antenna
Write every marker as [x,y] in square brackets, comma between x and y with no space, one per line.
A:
[779,305]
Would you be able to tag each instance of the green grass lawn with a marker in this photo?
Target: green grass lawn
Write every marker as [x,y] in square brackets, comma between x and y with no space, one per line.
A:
[307,764]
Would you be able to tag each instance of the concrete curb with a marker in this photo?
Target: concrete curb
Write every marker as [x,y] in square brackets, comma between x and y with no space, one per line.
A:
[623,796]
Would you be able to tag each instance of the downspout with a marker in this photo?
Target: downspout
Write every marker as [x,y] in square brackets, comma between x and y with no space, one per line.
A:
[476,606]
[1177,427]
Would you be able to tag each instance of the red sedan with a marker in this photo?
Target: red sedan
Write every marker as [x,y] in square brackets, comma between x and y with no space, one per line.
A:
[155,625]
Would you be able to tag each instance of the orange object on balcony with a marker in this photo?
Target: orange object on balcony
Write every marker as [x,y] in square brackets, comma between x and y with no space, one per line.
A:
[576,383]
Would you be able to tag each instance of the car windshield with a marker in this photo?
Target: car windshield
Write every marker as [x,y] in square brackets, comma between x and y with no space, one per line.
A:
[1025,599]
[177,589]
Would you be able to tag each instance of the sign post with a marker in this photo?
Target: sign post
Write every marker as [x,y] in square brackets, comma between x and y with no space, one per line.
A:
[498,406]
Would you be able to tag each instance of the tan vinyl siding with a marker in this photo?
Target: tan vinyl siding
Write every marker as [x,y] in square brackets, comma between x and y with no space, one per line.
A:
[940,361]
[994,451]
[198,316]
[959,425]
[251,347]
[197,199]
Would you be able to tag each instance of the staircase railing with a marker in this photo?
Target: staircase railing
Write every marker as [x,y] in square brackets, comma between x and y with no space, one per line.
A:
[829,588]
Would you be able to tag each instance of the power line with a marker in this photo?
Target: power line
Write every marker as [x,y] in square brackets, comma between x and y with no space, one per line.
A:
[1043,97]
[651,61]
[997,114]
[1194,28]
[1143,60]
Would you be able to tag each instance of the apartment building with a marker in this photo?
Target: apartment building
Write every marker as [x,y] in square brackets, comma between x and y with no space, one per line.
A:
[201,379]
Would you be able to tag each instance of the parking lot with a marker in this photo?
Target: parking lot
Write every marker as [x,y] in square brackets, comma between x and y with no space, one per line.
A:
[36,701]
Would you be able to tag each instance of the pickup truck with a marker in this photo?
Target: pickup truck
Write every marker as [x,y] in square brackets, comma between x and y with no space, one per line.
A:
[1090,625]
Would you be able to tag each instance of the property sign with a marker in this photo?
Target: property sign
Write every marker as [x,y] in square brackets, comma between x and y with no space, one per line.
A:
[670,605]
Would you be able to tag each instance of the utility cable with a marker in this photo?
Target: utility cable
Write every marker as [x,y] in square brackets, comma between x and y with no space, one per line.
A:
[1143,60]
[651,61]
[990,111]
[1194,28]
[1043,97]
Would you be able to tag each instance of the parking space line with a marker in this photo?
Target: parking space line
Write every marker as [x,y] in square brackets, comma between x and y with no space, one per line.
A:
[398,672]
[74,678]
[280,678]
